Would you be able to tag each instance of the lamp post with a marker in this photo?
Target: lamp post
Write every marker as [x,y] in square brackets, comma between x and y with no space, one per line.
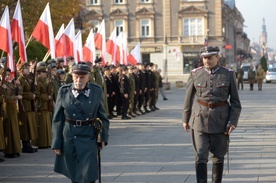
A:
[165,44]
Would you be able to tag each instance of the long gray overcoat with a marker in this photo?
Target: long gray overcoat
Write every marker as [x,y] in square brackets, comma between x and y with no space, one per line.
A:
[78,144]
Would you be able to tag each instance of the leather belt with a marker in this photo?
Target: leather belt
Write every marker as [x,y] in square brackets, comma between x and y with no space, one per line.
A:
[80,122]
[212,105]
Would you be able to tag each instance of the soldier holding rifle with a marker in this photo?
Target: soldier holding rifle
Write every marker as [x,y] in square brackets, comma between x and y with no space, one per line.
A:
[27,119]
[80,127]
[215,114]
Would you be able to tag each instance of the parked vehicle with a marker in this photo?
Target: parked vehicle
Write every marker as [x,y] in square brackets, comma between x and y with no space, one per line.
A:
[270,75]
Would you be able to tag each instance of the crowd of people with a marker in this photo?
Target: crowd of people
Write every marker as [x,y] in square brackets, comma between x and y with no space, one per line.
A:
[27,101]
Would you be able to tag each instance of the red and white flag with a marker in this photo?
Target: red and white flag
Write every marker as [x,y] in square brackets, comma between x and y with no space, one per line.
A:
[17,31]
[69,40]
[134,56]
[89,51]
[79,47]
[43,31]
[6,38]
[60,47]
[111,46]
[121,53]
[100,41]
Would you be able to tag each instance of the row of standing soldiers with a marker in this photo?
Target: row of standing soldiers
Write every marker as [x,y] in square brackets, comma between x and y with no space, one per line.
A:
[132,89]
[28,100]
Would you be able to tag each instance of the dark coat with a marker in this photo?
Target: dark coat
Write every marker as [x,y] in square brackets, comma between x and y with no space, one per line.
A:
[78,143]
[216,87]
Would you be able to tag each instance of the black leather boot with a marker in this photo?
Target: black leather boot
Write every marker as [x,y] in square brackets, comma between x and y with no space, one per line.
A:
[217,172]
[201,172]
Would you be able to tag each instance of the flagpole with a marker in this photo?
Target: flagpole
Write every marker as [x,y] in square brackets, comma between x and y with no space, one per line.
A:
[29,40]
[46,56]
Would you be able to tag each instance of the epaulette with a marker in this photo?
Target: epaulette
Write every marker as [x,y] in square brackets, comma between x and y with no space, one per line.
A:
[230,70]
[196,69]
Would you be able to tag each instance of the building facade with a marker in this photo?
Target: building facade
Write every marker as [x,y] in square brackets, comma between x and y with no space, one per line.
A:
[171,32]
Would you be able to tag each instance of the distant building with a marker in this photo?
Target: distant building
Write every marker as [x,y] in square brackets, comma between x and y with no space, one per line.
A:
[172,30]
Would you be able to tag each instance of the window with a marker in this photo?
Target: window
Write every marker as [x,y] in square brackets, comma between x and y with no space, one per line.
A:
[118,1]
[119,24]
[193,27]
[145,28]
[93,2]
[145,1]
[95,25]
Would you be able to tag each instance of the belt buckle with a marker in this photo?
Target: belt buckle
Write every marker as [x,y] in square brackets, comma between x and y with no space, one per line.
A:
[78,123]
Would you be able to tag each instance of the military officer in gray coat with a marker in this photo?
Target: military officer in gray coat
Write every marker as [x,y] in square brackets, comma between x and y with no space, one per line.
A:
[214,115]
[74,133]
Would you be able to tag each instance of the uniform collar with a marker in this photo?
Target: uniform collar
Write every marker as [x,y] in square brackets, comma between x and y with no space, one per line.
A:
[213,70]
[86,91]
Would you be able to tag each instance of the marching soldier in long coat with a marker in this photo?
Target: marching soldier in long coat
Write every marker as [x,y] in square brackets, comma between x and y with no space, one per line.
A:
[43,114]
[27,118]
[141,98]
[75,127]
[215,114]
[11,125]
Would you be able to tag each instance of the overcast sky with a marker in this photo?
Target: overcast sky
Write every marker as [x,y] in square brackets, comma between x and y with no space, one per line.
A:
[253,12]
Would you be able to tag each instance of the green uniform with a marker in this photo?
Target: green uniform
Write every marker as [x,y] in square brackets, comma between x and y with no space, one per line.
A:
[68,78]
[78,143]
[2,142]
[131,92]
[11,126]
[27,120]
[43,114]
[99,80]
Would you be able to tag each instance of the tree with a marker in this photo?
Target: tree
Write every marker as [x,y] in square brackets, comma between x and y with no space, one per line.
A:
[263,63]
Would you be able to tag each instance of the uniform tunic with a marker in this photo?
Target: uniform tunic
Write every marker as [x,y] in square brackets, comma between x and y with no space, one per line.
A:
[27,119]
[11,127]
[209,124]
[211,87]
[78,143]
[43,115]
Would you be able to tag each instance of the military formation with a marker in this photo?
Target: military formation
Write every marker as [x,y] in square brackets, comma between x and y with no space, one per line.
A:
[27,101]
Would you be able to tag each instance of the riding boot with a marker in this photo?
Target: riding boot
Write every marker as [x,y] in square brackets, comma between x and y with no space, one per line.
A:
[217,172]
[201,172]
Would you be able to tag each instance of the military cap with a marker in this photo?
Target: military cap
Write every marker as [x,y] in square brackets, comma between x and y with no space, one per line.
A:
[60,71]
[209,50]
[81,68]
[70,58]
[60,59]
[112,66]
[72,64]
[2,70]
[22,65]
[124,68]
[51,66]
[106,67]
[140,63]
[3,60]
[40,66]
[52,61]
[99,59]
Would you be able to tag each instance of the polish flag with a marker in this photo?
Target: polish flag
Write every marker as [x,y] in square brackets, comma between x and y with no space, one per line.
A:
[134,56]
[111,46]
[43,31]
[121,53]
[100,41]
[69,40]
[79,46]
[6,38]
[60,47]
[89,51]
[17,31]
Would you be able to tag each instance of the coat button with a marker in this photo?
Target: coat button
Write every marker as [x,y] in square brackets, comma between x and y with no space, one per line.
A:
[75,137]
